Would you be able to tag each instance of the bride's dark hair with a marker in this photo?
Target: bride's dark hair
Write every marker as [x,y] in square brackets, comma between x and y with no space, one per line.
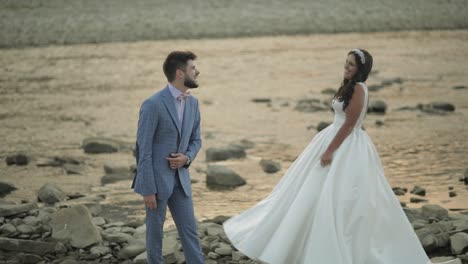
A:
[346,90]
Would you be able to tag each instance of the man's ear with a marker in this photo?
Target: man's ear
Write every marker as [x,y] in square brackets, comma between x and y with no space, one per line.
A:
[179,73]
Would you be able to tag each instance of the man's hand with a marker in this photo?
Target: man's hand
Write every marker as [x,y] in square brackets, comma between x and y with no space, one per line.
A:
[177,160]
[150,201]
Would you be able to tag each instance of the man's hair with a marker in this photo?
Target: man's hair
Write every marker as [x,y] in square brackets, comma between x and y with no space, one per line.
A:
[176,60]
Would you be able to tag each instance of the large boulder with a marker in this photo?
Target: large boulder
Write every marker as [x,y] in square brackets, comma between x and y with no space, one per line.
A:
[18,159]
[225,153]
[7,209]
[75,225]
[459,243]
[50,193]
[6,188]
[434,211]
[27,246]
[222,177]
[96,145]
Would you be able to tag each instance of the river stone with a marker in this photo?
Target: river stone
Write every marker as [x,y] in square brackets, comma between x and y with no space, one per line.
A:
[50,193]
[270,166]
[97,145]
[225,153]
[13,209]
[75,225]
[27,246]
[222,177]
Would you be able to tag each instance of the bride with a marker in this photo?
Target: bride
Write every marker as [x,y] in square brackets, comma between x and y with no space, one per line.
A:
[334,204]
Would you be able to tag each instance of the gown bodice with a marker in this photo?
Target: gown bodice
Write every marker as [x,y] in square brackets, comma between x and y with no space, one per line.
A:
[340,115]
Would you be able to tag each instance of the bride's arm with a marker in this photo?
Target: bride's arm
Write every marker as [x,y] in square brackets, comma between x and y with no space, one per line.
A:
[353,111]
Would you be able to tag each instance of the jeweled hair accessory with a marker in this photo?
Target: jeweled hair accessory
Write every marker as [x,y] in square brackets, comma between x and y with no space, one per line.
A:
[361,55]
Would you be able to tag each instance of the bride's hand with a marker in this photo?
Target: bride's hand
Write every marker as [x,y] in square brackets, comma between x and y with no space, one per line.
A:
[326,158]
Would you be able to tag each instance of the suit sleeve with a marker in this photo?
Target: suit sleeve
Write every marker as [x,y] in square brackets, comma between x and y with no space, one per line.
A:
[195,138]
[147,123]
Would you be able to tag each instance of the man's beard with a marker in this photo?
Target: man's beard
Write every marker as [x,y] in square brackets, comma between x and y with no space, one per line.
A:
[190,83]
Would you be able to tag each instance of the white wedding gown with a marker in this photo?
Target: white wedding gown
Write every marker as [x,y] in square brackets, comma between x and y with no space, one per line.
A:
[344,213]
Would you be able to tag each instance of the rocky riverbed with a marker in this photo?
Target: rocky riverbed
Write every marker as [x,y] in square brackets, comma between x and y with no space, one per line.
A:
[69,114]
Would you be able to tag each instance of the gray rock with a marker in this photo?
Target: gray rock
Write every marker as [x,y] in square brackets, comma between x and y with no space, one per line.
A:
[7,230]
[243,143]
[117,237]
[443,106]
[73,168]
[459,243]
[60,248]
[310,106]
[322,125]
[261,100]
[48,162]
[6,188]
[74,224]
[141,259]
[132,250]
[418,200]
[435,236]
[169,250]
[115,177]
[225,153]
[224,250]
[101,250]
[399,191]
[222,177]
[50,193]
[435,211]
[100,145]
[213,255]
[377,106]
[98,221]
[25,258]
[445,259]
[18,159]
[112,167]
[270,166]
[26,246]
[418,191]
[215,230]
[330,91]
[13,209]
[31,220]
[25,229]
[237,255]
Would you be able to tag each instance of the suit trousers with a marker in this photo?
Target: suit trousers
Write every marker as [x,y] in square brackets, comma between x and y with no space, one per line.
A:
[181,207]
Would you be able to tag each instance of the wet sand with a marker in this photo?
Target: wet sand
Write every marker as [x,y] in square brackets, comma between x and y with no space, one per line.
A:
[54,97]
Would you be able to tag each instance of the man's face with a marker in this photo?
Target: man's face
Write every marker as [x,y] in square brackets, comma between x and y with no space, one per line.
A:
[191,75]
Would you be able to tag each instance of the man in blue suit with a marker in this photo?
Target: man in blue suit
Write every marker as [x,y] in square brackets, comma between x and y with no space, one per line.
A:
[168,140]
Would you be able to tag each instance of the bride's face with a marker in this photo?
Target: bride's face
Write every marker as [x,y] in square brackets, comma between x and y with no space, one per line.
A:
[350,67]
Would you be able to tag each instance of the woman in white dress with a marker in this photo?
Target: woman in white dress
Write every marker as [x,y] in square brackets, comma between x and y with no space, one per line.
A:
[334,204]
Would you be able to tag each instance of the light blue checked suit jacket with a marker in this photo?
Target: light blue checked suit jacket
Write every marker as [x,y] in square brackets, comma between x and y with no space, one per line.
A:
[160,134]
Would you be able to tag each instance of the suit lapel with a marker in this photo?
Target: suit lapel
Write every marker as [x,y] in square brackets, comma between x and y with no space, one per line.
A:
[170,105]
[187,115]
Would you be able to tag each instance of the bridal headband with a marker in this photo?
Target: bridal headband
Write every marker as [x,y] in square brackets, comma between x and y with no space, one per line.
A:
[360,54]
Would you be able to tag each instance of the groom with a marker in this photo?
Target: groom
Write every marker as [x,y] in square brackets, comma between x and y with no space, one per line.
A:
[168,140]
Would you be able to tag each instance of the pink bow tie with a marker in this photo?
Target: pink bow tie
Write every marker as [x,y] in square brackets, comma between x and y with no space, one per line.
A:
[183,96]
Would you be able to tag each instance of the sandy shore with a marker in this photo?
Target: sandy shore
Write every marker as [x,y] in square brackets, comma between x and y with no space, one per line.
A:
[53,97]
